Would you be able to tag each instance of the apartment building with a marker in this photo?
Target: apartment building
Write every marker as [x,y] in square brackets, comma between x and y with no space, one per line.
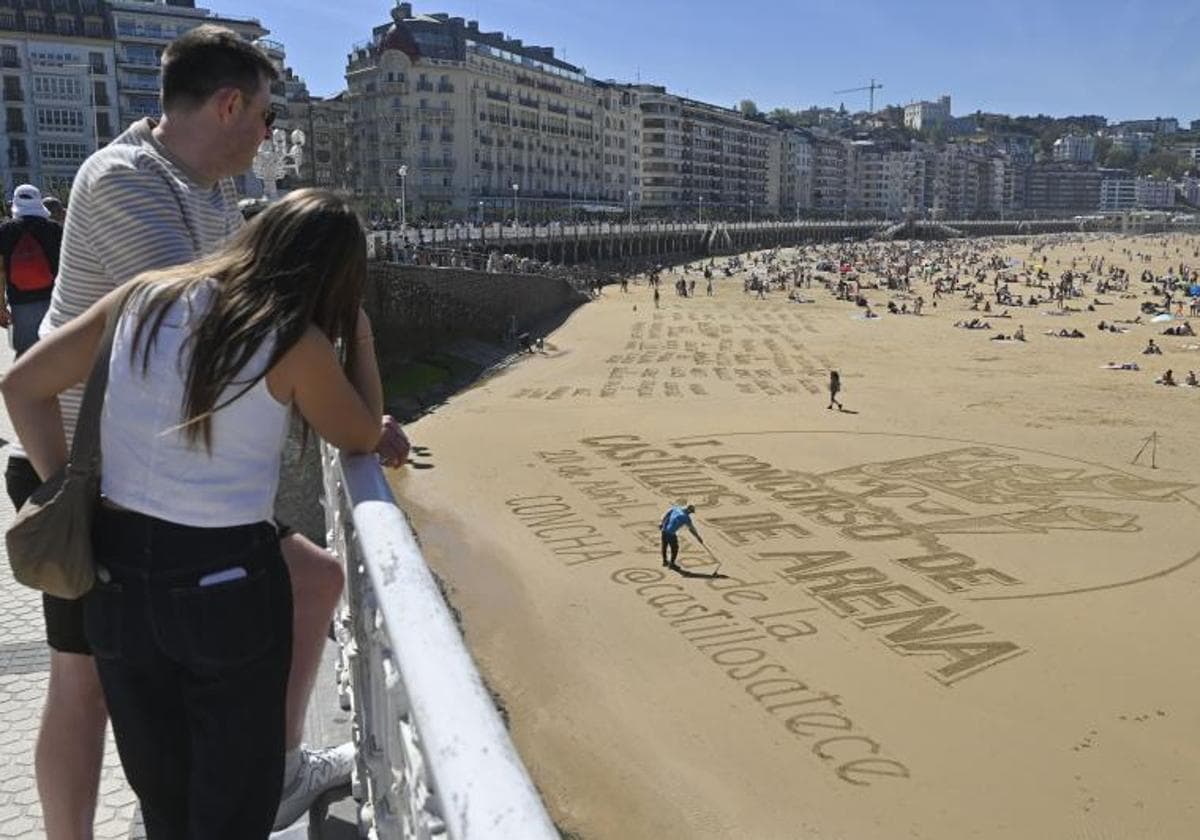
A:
[1137,143]
[1075,148]
[1189,189]
[795,171]
[327,153]
[922,115]
[622,133]
[1153,193]
[1158,125]
[695,154]
[59,96]
[966,180]
[142,29]
[482,123]
[830,156]
[1118,192]
[1062,187]
[884,181]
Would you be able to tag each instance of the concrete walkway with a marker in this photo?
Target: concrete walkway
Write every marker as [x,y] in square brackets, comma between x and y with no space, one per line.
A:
[25,672]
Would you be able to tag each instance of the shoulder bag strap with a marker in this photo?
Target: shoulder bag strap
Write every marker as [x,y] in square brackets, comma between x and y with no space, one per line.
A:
[85,447]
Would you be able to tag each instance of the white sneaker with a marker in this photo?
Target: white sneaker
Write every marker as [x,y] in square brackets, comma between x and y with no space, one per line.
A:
[320,771]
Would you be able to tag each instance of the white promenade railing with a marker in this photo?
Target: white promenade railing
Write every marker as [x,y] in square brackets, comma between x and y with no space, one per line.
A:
[434,759]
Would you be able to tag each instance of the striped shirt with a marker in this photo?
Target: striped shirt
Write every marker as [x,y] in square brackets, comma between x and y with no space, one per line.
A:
[134,208]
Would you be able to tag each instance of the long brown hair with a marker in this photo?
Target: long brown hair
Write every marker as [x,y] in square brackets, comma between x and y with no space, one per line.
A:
[301,261]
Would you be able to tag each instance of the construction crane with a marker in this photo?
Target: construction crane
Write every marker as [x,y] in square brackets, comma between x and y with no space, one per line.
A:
[874,86]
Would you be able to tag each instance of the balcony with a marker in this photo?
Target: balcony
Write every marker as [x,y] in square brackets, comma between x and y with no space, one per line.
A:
[557,109]
[435,113]
[435,163]
[16,126]
[11,62]
[446,137]
[498,96]
[13,95]
[425,86]
[528,102]
[156,34]
[445,87]
[136,60]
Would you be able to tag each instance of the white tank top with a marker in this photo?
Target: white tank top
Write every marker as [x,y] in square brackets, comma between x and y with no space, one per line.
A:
[148,465]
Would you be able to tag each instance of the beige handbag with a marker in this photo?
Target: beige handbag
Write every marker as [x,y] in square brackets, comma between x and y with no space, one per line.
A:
[50,540]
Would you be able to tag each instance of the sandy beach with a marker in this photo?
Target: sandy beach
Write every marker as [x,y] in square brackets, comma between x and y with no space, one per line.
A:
[955,609]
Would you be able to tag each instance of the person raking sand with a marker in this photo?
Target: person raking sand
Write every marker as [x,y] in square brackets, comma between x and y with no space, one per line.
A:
[675,518]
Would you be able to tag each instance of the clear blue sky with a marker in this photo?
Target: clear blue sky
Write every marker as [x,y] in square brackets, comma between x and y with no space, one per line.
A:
[1124,59]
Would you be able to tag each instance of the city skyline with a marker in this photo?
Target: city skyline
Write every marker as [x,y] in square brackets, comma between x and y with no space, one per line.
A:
[1038,57]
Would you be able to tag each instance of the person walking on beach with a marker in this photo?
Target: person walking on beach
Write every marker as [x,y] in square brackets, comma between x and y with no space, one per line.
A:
[835,387]
[675,518]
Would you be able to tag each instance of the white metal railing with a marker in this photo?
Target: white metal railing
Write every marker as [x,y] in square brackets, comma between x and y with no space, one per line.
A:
[434,759]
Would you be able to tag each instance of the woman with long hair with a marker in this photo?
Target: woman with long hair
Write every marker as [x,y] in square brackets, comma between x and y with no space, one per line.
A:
[190,619]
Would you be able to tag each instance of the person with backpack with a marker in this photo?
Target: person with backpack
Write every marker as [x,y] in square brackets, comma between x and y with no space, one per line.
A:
[29,246]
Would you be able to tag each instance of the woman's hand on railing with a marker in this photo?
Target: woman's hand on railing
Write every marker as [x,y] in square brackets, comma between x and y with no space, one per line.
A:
[393,446]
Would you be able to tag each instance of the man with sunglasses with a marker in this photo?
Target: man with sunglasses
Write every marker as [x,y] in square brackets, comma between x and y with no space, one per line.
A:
[162,194]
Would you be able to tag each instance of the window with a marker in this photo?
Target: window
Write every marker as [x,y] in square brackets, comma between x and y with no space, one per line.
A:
[57,87]
[66,25]
[8,53]
[60,119]
[53,152]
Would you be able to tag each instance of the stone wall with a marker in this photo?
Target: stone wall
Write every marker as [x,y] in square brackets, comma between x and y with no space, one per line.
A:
[416,309]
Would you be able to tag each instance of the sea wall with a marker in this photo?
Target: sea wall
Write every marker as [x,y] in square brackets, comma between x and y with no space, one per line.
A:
[415,309]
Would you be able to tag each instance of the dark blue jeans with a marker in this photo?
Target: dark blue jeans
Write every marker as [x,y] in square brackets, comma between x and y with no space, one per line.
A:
[195,676]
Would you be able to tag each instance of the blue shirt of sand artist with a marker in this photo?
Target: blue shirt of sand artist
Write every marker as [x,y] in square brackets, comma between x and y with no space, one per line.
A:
[676,518]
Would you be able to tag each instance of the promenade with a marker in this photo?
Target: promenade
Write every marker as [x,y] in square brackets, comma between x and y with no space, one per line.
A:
[24,674]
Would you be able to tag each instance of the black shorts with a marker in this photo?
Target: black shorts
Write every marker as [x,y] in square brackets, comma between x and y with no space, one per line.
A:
[64,618]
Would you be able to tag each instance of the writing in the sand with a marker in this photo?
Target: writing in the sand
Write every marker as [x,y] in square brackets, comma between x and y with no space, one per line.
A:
[679,354]
[553,521]
[908,620]
[738,646]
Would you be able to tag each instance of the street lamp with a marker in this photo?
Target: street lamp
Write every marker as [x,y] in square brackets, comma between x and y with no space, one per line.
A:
[516,219]
[630,194]
[481,213]
[752,211]
[701,208]
[403,173]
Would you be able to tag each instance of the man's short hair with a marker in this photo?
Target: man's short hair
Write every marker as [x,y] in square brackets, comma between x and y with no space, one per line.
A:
[208,58]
